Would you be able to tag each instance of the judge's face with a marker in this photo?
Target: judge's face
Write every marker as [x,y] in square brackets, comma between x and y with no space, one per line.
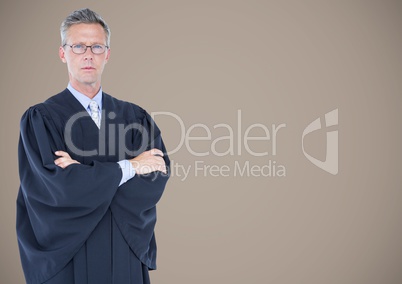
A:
[85,70]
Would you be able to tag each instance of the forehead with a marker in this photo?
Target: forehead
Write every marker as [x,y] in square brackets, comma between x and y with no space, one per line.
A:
[86,33]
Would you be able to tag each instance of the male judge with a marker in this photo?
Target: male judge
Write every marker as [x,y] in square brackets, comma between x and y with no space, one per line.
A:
[92,169]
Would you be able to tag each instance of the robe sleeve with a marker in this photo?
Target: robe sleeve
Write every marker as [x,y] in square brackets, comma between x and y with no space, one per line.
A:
[134,205]
[57,208]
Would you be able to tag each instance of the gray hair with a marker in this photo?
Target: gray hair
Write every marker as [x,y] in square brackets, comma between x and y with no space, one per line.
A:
[83,16]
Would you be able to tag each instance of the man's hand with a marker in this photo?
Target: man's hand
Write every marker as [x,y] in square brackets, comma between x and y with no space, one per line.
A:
[65,160]
[148,162]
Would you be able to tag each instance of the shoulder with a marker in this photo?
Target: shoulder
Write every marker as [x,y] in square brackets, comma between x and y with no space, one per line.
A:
[38,110]
[54,102]
[34,120]
[48,109]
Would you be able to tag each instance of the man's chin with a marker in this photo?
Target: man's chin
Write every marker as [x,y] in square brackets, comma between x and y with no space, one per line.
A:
[89,81]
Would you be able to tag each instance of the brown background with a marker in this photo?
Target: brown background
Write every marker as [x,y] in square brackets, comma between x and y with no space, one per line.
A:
[278,62]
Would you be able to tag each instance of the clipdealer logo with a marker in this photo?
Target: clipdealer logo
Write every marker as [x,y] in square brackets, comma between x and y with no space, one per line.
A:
[239,141]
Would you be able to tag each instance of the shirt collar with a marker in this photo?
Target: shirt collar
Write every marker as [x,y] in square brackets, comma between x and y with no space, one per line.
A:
[83,99]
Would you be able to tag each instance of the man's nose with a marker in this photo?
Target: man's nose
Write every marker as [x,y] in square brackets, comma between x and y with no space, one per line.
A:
[88,55]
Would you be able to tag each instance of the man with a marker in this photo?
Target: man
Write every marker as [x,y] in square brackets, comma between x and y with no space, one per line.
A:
[92,169]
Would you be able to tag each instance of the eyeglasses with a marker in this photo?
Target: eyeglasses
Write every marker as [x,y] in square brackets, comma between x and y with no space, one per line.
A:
[82,48]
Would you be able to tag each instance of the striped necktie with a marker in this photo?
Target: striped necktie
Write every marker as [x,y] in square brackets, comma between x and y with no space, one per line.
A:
[93,106]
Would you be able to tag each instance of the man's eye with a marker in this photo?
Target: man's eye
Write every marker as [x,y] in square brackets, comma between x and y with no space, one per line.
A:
[78,46]
[97,46]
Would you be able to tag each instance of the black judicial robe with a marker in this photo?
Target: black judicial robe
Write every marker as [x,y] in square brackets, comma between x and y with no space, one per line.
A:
[76,225]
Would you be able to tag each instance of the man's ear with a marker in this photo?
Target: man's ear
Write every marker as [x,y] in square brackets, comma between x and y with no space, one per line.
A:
[62,54]
[107,55]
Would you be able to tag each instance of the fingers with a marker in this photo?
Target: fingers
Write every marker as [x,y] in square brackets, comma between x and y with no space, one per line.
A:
[156,152]
[64,163]
[149,161]
[62,154]
[64,160]
[160,164]
[149,165]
